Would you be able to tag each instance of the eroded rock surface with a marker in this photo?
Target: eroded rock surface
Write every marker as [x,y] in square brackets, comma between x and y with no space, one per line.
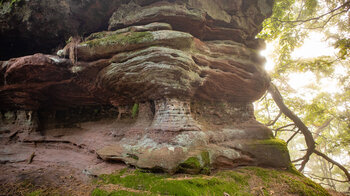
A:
[178,78]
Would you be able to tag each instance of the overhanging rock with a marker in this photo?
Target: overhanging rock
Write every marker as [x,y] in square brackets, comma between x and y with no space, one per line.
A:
[181,75]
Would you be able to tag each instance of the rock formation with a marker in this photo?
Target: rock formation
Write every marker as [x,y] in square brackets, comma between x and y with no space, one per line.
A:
[178,78]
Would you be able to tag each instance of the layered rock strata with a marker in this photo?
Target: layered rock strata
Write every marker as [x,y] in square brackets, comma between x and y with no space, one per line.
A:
[185,73]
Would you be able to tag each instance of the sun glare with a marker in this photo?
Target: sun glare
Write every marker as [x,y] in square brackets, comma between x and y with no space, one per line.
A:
[267,53]
[300,80]
[314,46]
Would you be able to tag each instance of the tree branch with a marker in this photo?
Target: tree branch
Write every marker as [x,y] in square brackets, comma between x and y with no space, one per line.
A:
[294,134]
[334,162]
[275,120]
[323,126]
[285,126]
[310,142]
[315,18]
[324,178]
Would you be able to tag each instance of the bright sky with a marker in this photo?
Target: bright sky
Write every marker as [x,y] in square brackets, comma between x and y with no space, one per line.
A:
[313,46]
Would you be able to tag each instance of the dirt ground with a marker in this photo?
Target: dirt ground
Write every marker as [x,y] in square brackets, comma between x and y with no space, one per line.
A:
[59,161]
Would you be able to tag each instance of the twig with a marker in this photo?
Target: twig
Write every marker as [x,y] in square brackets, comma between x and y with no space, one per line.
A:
[279,128]
[13,134]
[294,134]
[275,120]
[30,160]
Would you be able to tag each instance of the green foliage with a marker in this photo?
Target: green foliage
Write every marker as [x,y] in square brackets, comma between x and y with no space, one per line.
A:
[135,110]
[344,46]
[12,2]
[291,23]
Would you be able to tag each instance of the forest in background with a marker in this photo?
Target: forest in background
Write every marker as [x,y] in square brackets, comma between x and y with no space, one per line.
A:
[314,116]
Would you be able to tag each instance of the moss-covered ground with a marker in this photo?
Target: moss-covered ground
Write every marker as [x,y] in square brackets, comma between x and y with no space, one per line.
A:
[241,181]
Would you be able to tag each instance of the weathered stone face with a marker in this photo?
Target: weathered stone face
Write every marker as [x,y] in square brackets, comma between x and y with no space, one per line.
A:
[192,69]
[205,19]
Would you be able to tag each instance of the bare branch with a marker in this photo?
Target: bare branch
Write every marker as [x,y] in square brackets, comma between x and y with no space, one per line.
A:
[310,142]
[285,126]
[322,127]
[334,162]
[294,134]
[326,22]
[297,160]
[324,178]
[275,120]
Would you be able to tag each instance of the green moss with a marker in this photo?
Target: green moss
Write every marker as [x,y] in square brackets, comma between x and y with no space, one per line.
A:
[122,39]
[276,143]
[99,192]
[195,165]
[137,180]
[282,145]
[156,184]
[266,193]
[191,165]
[298,184]
[133,156]
[97,35]
[293,170]
[305,187]
[265,174]
[135,110]
[206,163]
[234,182]
[236,176]
[35,193]
[205,158]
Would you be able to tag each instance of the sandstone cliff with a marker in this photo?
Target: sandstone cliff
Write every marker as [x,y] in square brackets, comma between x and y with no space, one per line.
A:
[168,86]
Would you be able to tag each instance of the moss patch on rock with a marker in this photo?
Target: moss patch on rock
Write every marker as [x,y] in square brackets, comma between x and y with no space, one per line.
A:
[135,110]
[278,143]
[195,165]
[241,181]
[122,39]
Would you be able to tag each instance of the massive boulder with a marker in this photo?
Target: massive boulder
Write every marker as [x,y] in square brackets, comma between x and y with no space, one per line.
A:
[185,73]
